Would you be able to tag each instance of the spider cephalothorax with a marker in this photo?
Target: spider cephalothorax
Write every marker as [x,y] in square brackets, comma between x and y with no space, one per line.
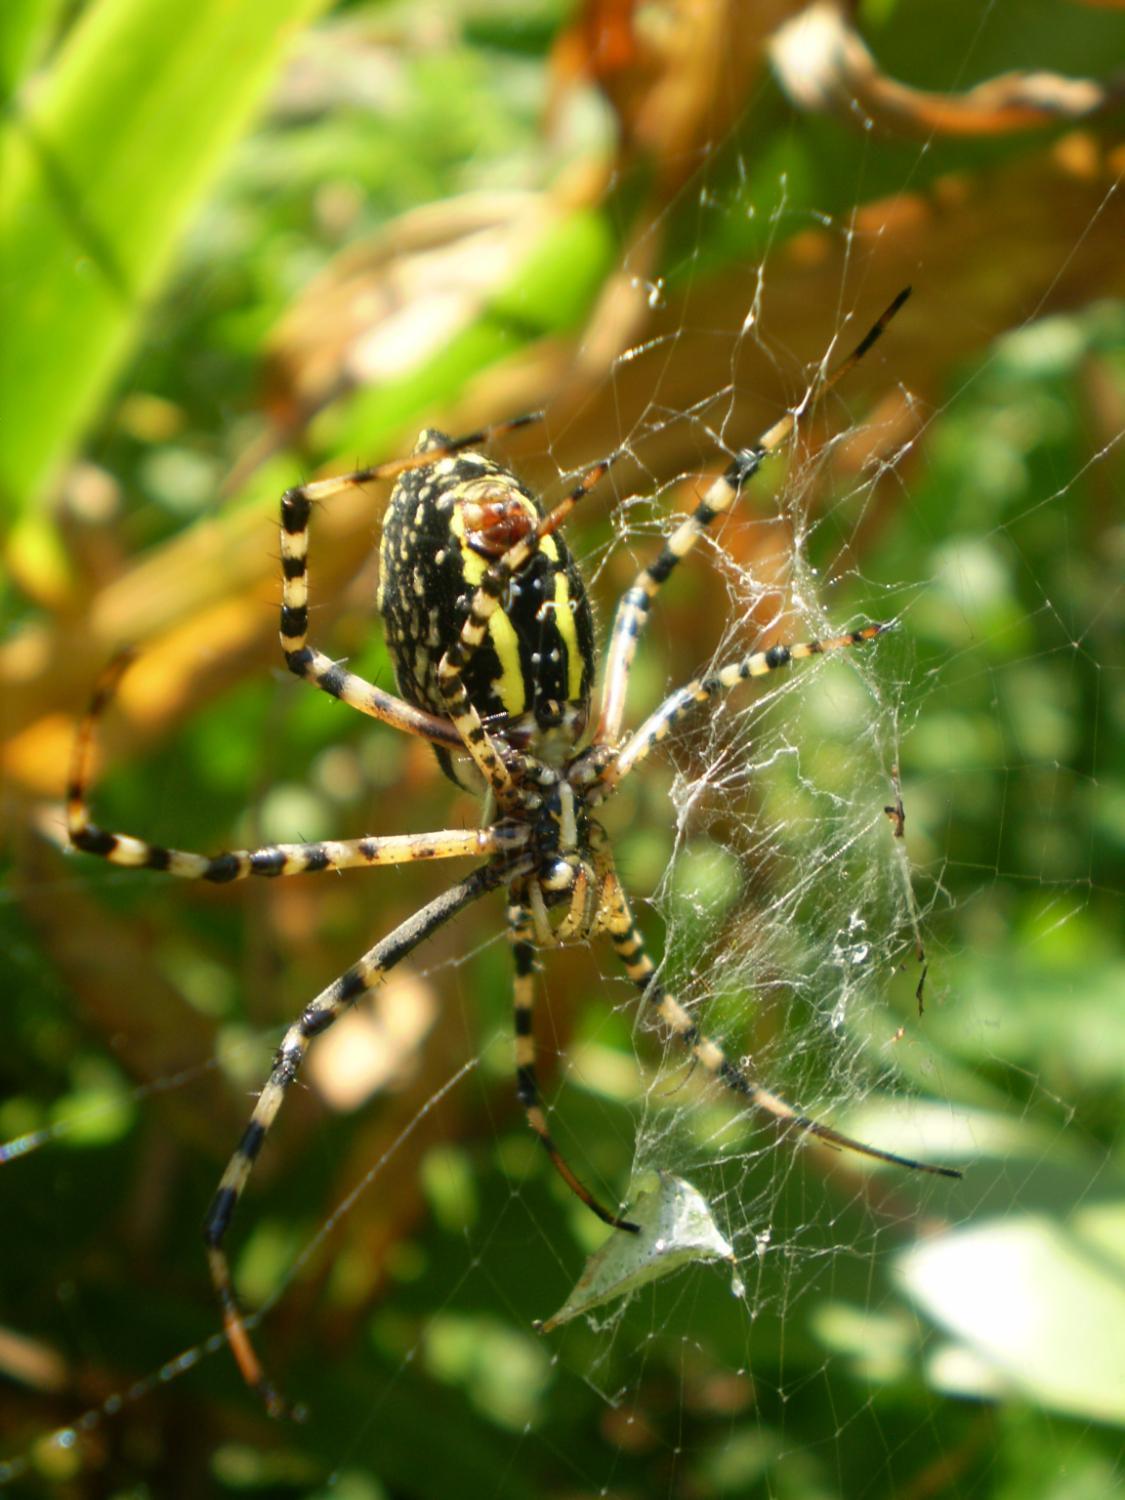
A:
[490,631]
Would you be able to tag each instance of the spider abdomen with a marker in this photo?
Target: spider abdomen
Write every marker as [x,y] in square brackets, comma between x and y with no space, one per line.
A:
[446,523]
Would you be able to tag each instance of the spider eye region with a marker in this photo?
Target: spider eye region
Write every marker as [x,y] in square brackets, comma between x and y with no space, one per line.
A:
[445,526]
[493,517]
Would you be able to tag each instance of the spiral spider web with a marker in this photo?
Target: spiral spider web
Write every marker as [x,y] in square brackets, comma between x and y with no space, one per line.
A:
[952,991]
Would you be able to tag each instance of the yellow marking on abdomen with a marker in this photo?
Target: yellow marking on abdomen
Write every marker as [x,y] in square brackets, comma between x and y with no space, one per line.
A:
[564,619]
[505,643]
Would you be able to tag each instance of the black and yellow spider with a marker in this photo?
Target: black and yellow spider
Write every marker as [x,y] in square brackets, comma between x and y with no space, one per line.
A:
[490,631]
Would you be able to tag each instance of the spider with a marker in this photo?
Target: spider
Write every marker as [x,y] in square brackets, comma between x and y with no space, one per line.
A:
[490,631]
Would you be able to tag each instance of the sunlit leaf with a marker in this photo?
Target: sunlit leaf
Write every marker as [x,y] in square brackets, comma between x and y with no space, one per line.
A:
[1040,1300]
[100,176]
[675,1227]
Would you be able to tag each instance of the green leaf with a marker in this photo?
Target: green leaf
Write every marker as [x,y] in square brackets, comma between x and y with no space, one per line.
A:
[98,181]
[25,34]
[674,1228]
[1039,1301]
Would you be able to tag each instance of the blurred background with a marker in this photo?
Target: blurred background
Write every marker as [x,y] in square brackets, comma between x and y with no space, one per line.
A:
[246,245]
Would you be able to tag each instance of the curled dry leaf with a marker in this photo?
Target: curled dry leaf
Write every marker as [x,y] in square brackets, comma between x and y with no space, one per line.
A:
[824,66]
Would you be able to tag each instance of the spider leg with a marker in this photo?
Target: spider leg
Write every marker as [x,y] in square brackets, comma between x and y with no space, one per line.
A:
[307,662]
[632,612]
[630,948]
[360,979]
[485,602]
[273,859]
[520,935]
[702,689]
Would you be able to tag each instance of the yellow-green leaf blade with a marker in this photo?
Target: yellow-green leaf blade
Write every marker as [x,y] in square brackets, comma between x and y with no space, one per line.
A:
[100,176]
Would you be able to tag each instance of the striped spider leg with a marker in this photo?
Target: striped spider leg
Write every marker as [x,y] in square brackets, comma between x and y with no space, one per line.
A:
[361,978]
[521,935]
[701,690]
[271,860]
[630,949]
[636,602]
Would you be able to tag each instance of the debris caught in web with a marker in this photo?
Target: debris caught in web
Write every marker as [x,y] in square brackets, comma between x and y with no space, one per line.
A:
[675,1226]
